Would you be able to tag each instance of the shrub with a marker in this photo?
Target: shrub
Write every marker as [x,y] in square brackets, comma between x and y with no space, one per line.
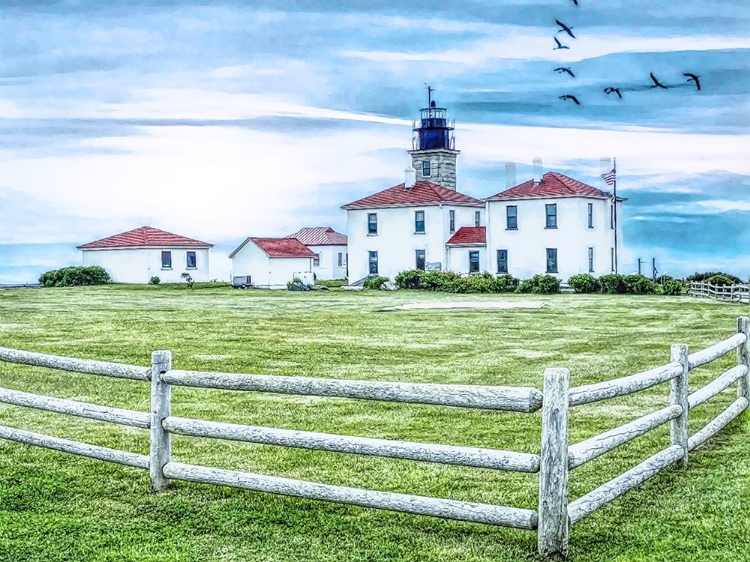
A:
[294,281]
[189,280]
[639,285]
[154,280]
[376,282]
[703,277]
[449,282]
[409,279]
[584,283]
[671,287]
[612,284]
[540,284]
[721,279]
[75,277]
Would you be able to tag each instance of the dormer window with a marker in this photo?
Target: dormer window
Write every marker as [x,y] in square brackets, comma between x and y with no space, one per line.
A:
[426,169]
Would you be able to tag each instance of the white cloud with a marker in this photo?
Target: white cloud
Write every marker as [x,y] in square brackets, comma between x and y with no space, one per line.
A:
[517,43]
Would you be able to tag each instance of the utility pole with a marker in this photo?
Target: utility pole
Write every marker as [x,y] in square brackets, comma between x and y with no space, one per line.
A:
[639,266]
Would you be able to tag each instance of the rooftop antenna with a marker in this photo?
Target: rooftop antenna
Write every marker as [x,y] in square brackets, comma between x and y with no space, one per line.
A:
[430,89]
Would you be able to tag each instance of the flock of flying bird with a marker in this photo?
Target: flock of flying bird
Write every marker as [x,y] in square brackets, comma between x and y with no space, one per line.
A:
[611,89]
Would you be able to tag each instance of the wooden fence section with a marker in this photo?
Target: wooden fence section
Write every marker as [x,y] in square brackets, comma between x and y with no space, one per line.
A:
[731,293]
[551,520]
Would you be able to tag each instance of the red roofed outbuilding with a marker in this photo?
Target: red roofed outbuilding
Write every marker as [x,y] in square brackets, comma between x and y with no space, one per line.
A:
[329,248]
[138,255]
[272,262]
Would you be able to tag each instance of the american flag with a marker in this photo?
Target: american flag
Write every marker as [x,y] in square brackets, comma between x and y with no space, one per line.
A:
[610,177]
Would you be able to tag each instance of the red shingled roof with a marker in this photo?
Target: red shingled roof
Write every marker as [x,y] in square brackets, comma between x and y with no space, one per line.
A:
[278,247]
[553,184]
[469,236]
[319,236]
[423,193]
[145,236]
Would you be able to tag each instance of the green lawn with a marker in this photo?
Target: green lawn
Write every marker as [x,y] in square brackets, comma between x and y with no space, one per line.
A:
[56,507]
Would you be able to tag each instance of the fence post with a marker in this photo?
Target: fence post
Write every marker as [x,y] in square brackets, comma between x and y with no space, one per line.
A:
[678,396]
[552,532]
[161,405]
[743,356]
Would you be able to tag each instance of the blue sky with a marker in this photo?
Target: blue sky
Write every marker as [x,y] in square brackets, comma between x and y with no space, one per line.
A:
[220,120]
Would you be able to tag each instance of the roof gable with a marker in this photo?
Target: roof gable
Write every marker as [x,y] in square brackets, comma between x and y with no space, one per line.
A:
[319,236]
[553,184]
[423,193]
[469,236]
[278,247]
[144,237]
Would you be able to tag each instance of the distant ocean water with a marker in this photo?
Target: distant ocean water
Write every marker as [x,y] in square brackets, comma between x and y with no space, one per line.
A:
[24,263]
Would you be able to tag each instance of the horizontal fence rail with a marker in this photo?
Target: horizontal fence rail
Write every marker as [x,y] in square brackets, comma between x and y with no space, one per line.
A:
[616,487]
[75,408]
[512,399]
[715,351]
[719,422]
[558,457]
[85,366]
[623,386]
[596,446]
[419,505]
[81,449]
[446,454]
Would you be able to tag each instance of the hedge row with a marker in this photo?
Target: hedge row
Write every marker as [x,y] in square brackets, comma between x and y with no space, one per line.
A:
[625,284]
[75,277]
[449,282]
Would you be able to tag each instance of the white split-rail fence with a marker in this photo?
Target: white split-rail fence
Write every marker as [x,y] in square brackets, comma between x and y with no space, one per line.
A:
[554,515]
[731,293]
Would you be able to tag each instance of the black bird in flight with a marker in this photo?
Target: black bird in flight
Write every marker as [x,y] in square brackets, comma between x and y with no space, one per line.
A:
[567,69]
[568,97]
[559,45]
[575,2]
[609,90]
[565,28]
[657,84]
[693,78]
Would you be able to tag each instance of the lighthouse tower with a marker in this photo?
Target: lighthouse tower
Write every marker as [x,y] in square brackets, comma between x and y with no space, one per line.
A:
[433,153]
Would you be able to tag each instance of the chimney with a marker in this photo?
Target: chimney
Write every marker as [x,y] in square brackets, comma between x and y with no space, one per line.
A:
[411,177]
[510,175]
[605,166]
[537,170]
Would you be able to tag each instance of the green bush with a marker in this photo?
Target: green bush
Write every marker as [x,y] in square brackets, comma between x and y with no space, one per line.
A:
[584,283]
[154,280]
[75,277]
[376,282]
[449,282]
[294,281]
[703,277]
[613,284]
[671,287]
[721,279]
[540,284]
[639,285]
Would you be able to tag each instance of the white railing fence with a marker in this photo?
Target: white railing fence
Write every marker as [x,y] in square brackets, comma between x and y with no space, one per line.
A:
[551,520]
[731,293]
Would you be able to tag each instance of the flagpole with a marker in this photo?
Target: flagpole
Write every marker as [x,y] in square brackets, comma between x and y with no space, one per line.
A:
[614,170]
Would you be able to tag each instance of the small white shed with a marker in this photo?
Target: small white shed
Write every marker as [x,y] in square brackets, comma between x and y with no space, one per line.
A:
[329,248]
[272,262]
[140,254]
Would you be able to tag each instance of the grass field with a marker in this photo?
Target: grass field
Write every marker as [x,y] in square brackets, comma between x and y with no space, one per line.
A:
[58,507]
